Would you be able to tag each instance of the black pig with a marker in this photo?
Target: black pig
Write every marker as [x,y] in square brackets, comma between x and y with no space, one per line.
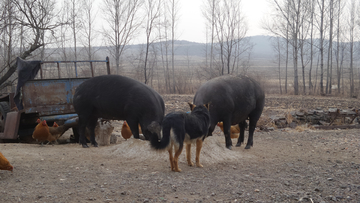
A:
[233,99]
[117,97]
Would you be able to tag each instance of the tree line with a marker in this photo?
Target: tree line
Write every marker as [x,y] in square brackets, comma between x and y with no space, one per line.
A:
[311,32]
[317,37]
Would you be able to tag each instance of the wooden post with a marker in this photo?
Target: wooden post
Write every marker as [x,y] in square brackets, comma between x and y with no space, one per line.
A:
[92,69]
[41,74]
[58,66]
[108,65]
[76,73]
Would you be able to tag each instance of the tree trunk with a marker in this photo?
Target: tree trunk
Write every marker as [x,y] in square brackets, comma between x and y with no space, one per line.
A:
[322,15]
[329,61]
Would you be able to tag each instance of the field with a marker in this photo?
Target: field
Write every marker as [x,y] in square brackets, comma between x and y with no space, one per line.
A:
[284,165]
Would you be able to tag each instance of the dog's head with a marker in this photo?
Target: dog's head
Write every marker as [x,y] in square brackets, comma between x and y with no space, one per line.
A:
[192,106]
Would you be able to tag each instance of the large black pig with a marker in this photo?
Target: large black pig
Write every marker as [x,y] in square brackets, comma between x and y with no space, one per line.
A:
[233,99]
[117,97]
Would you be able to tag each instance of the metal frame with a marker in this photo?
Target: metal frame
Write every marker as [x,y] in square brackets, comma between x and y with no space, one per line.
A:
[89,61]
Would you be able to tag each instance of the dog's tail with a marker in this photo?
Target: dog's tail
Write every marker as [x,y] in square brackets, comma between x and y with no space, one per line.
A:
[164,142]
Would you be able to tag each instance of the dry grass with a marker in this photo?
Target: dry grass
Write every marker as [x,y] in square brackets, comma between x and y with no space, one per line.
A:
[289,118]
[265,121]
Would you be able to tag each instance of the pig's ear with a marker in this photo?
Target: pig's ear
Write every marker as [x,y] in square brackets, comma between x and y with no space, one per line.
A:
[192,106]
[207,106]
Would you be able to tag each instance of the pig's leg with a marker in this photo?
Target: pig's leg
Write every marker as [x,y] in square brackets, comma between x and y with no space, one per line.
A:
[134,128]
[242,126]
[226,127]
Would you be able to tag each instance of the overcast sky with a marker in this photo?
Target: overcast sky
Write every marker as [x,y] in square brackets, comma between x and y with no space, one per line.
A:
[191,25]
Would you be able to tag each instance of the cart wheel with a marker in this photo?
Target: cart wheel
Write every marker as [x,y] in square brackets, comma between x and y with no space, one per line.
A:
[4,109]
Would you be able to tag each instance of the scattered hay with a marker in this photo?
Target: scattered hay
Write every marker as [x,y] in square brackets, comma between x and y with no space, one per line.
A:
[265,122]
[302,128]
[289,118]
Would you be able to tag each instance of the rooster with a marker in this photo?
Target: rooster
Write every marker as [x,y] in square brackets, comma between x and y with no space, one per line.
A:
[5,164]
[126,131]
[234,130]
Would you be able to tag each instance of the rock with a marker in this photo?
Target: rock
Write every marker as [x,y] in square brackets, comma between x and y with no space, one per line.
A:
[123,193]
[293,125]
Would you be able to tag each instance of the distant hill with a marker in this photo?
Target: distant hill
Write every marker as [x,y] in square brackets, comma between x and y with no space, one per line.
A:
[262,47]
[261,51]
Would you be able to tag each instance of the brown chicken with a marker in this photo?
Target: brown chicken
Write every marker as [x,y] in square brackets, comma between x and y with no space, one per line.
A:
[126,132]
[41,131]
[5,164]
[234,130]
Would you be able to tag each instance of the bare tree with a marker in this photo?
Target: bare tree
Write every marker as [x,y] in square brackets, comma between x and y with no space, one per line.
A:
[152,11]
[209,14]
[329,58]
[64,36]
[36,17]
[337,58]
[75,14]
[351,44]
[303,35]
[277,47]
[163,33]
[174,15]
[321,4]
[230,30]
[312,13]
[7,30]
[88,27]
[292,15]
[123,21]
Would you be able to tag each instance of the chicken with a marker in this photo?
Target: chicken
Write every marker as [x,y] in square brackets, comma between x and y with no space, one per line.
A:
[126,132]
[41,131]
[5,164]
[234,130]
[57,131]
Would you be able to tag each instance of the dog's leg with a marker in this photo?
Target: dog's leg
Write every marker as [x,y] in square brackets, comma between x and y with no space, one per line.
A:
[199,143]
[171,159]
[188,155]
[176,159]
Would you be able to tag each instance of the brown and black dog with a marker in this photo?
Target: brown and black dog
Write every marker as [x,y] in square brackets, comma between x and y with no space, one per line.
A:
[180,127]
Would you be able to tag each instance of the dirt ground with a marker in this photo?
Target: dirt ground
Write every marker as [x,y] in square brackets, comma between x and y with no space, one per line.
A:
[284,165]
